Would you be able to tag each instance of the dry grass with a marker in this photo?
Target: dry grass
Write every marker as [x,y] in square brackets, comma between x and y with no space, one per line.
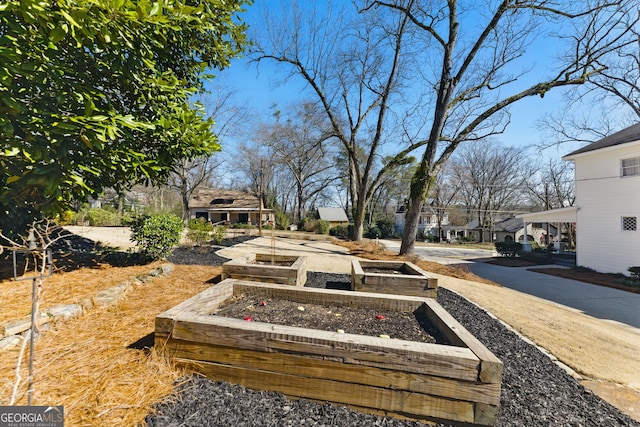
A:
[86,364]
[368,249]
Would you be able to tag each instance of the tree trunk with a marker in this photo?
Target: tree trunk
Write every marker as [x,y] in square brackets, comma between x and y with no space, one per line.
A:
[411,225]
[358,219]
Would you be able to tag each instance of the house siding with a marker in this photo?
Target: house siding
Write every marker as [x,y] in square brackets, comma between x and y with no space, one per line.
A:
[604,198]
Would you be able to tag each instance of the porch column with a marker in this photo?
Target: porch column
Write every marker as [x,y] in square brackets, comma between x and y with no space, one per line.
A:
[526,247]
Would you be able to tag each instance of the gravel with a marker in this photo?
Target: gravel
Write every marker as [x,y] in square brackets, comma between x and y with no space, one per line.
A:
[535,391]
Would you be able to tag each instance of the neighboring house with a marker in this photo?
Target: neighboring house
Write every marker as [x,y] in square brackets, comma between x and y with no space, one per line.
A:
[335,216]
[512,230]
[607,209]
[427,223]
[228,207]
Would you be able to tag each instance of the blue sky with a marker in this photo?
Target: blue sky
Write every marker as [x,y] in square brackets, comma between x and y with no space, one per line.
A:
[255,87]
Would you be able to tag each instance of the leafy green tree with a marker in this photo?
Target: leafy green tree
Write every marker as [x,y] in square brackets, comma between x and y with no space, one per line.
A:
[96,94]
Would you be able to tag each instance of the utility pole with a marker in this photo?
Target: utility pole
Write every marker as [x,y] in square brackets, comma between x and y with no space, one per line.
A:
[546,208]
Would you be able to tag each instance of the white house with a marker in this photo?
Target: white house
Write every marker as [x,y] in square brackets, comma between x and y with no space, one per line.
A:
[427,222]
[607,207]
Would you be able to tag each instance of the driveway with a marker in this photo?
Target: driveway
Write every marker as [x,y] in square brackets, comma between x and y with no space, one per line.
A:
[593,300]
[442,254]
[597,301]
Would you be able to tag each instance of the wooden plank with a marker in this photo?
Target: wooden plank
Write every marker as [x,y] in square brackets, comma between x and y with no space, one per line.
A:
[490,366]
[205,302]
[330,297]
[247,275]
[432,282]
[416,291]
[327,369]
[486,415]
[423,406]
[410,356]
[276,258]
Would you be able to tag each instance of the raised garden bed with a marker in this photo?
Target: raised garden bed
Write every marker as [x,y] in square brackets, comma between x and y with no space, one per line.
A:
[268,268]
[392,277]
[455,383]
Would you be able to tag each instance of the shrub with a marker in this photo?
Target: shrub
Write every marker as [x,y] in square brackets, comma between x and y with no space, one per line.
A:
[157,234]
[307,224]
[538,257]
[199,231]
[373,232]
[386,228]
[509,249]
[339,231]
[219,233]
[239,225]
[322,226]
[635,272]
[101,217]
[282,220]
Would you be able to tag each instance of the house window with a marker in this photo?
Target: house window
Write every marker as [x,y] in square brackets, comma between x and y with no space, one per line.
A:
[631,166]
[629,223]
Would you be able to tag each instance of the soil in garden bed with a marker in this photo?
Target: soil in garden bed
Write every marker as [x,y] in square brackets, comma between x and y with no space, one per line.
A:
[381,270]
[350,320]
[276,263]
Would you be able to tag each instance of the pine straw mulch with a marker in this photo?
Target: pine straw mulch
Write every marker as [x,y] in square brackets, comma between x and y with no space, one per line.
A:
[368,249]
[63,288]
[95,365]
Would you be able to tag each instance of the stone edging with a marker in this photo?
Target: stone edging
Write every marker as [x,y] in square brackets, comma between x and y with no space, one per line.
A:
[12,333]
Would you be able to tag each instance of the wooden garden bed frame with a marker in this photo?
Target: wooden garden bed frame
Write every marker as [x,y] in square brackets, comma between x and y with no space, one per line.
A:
[458,383]
[404,278]
[248,268]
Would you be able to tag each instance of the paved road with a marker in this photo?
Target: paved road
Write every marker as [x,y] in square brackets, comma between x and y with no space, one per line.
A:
[597,301]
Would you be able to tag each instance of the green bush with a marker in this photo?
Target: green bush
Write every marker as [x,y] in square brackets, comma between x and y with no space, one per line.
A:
[157,234]
[509,249]
[322,226]
[282,220]
[373,232]
[101,217]
[242,226]
[537,257]
[199,231]
[339,231]
[219,233]
[386,228]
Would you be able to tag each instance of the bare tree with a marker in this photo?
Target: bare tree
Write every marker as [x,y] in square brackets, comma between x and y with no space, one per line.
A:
[475,57]
[352,64]
[608,102]
[227,115]
[552,186]
[300,144]
[490,180]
